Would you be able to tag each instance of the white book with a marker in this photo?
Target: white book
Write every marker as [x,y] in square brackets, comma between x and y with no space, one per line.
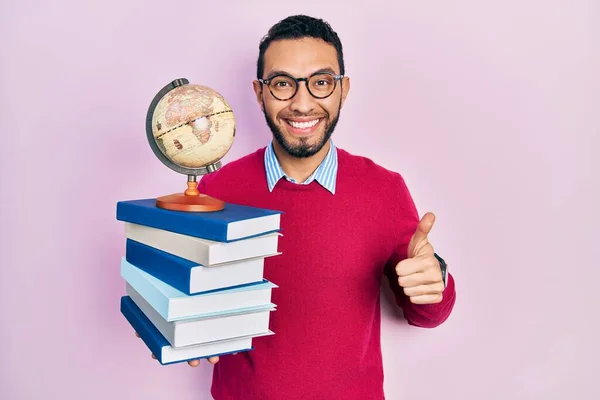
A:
[203,251]
[206,328]
[207,278]
[173,305]
[167,354]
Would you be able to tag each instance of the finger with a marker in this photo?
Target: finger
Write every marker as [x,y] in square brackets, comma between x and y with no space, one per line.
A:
[422,290]
[412,280]
[410,266]
[213,360]
[427,277]
[137,334]
[426,299]
[194,363]
[424,227]
[153,356]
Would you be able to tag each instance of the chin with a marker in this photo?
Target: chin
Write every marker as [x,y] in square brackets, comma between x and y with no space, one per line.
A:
[302,147]
[301,144]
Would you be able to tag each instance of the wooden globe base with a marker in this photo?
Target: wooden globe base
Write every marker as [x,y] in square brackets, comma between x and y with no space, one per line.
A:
[191,200]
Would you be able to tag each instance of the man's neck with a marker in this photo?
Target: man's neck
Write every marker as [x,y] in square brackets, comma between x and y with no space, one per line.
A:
[299,169]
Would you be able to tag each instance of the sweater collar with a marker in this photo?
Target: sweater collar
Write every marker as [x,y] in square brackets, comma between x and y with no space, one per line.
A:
[325,174]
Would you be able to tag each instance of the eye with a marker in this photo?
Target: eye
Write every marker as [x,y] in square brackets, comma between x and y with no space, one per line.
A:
[281,82]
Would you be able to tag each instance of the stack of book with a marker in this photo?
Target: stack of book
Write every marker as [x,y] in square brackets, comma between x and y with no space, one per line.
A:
[194,280]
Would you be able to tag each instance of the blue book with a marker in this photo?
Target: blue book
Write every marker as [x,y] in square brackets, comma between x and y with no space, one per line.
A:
[191,277]
[173,305]
[167,354]
[234,222]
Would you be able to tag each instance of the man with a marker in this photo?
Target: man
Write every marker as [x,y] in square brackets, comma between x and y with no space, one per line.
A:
[347,222]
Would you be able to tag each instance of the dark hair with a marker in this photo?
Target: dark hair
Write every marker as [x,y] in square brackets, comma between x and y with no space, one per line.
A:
[298,27]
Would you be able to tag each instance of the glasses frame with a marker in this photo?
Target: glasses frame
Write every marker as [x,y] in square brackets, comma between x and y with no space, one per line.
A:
[336,78]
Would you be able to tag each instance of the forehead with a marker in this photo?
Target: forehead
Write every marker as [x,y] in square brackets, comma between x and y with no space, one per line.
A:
[300,57]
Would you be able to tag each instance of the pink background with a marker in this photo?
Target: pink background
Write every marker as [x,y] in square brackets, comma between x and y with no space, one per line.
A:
[488,108]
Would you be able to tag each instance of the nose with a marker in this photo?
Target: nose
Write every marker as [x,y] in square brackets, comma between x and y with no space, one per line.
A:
[302,102]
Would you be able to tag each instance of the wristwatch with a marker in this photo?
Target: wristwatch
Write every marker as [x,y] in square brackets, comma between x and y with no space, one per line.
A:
[444,268]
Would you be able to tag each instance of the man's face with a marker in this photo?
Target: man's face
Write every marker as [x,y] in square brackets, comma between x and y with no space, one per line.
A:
[303,124]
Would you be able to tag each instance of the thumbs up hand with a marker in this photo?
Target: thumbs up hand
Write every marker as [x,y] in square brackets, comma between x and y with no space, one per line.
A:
[420,274]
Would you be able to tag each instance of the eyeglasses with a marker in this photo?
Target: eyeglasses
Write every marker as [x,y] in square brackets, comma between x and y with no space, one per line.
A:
[320,85]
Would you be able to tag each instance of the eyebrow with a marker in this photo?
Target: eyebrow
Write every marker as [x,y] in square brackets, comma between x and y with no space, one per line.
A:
[319,71]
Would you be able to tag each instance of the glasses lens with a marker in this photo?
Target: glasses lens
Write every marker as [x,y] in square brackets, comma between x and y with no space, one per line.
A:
[321,85]
[283,87]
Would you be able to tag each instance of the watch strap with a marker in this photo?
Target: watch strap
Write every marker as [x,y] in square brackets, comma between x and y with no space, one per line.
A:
[444,269]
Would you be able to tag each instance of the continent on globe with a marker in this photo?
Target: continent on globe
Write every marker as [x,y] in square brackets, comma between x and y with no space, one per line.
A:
[193,126]
[201,128]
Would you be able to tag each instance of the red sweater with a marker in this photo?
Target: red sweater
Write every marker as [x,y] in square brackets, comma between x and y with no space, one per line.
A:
[336,249]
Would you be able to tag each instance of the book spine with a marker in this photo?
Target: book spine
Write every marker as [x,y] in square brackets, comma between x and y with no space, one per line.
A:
[183,246]
[148,333]
[159,301]
[173,221]
[174,271]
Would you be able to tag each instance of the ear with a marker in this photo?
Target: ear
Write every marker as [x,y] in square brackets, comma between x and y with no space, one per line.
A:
[345,88]
[257,86]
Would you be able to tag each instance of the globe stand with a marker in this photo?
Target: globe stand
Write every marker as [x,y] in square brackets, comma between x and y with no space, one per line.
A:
[190,200]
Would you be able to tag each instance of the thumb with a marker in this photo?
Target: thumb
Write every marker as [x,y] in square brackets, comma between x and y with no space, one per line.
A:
[423,229]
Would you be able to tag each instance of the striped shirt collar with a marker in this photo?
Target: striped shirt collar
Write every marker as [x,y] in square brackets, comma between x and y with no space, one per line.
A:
[325,174]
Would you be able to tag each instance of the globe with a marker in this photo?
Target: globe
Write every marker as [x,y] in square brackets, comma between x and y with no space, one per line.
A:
[190,128]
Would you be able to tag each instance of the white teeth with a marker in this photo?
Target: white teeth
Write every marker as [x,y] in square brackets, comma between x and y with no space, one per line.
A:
[303,125]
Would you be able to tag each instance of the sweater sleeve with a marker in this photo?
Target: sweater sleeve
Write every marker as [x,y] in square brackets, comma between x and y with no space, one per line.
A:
[203,186]
[405,222]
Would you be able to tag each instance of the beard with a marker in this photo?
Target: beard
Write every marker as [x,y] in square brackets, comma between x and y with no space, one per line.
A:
[303,149]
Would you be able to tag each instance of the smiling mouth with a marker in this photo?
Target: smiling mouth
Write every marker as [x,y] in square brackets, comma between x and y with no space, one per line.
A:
[303,124]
